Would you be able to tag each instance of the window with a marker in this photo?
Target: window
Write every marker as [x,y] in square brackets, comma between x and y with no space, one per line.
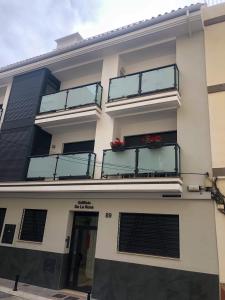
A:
[33,225]
[85,146]
[142,139]
[2,218]
[152,234]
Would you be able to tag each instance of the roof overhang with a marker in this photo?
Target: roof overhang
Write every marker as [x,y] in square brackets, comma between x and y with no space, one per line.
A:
[164,27]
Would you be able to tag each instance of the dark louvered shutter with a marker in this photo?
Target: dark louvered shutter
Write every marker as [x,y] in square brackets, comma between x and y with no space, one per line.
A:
[2,218]
[33,225]
[153,234]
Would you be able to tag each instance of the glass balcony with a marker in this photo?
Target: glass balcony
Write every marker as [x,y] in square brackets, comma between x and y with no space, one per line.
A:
[61,166]
[146,82]
[144,161]
[72,98]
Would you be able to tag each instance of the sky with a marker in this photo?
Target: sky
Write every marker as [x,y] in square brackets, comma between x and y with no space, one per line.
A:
[30,27]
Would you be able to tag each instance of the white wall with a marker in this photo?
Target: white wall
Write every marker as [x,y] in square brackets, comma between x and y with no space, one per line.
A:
[197,226]
[146,123]
[149,57]
[4,97]
[2,94]
[81,75]
[77,133]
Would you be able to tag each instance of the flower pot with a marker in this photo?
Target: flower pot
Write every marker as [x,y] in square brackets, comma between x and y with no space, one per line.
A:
[154,145]
[118,148]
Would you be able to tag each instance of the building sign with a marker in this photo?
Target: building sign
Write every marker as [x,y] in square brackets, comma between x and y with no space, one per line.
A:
[82,204]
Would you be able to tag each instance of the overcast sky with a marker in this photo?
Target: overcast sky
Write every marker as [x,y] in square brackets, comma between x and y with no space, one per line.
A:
[29,27]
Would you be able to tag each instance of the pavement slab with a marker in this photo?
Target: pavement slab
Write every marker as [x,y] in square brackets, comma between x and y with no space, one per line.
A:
[31,292]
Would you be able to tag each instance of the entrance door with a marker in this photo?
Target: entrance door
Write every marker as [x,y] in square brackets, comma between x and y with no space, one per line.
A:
[82,251]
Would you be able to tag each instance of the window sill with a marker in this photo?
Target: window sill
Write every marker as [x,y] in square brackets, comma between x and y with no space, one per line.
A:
[150,255]
[29,242]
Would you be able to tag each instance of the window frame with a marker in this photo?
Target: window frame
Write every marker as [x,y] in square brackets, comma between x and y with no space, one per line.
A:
[22,223]
[148,254]
[2,227]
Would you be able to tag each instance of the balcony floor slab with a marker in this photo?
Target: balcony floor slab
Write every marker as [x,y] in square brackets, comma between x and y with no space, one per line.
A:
[53,120]
[144,104]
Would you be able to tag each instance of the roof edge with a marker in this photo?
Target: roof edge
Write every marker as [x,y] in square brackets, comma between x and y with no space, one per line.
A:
[107,35]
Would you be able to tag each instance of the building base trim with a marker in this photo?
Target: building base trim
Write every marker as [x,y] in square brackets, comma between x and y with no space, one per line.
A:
[216,88]
[122,280]
[218,172]
[215,20]
[41,268]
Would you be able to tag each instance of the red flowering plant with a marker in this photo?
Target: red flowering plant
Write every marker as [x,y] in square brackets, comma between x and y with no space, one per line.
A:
[153,141]
[117,145]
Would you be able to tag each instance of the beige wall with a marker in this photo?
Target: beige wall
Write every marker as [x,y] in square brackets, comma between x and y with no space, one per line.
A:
[197,226]
[215,70]
[193,117]
[214,45]
[217,126]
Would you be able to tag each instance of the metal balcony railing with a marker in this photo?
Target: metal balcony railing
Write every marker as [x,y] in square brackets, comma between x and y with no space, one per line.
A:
[142,162]
[61,166]
[1,111]
[143,83]
[72,98]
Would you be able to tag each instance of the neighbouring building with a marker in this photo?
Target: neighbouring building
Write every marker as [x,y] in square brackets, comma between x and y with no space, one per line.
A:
[104,163]
[214,30]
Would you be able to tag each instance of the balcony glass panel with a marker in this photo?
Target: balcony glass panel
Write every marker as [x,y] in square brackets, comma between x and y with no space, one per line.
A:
[61,166]
[82,96]
[123,87]
[119,163]
[142,161]
[42,167]
[144,82]
[159,160]
[73,165]
[159,79]
[53,102]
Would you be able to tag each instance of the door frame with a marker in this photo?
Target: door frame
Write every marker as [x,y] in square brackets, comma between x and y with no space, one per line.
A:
[72,241]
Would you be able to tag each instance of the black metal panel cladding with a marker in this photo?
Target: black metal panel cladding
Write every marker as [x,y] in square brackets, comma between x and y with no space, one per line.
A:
[17,132]
[42,142]
[24,100]
[15,148]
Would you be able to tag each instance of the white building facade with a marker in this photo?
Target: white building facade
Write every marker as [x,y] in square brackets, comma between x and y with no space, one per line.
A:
[130,220]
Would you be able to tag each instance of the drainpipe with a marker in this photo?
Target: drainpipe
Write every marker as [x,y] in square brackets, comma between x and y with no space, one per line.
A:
[188,23]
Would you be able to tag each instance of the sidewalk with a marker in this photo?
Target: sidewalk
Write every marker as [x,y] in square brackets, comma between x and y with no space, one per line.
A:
[4,296]
[31,292]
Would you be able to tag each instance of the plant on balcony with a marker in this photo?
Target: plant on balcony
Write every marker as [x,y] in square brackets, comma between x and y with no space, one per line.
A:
[117,145]
[153,141]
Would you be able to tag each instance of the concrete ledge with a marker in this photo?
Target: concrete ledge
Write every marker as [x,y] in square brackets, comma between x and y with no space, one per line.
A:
[153,185]
[143,104]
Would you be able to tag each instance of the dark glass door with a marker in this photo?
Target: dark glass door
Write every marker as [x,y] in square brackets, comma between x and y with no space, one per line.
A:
[82,251]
